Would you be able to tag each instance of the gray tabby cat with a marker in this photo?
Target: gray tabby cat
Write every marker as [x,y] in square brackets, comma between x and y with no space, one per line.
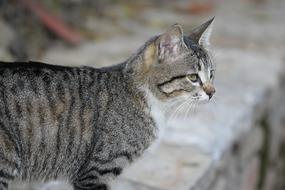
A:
[85,125]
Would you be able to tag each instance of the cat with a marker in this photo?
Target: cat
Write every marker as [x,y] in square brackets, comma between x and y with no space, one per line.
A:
[85,124]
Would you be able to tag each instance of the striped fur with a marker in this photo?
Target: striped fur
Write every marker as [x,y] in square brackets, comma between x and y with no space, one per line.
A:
[78,123]
[84,125]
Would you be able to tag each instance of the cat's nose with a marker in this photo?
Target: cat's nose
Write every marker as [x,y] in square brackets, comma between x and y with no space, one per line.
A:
[209,89]
[210,94]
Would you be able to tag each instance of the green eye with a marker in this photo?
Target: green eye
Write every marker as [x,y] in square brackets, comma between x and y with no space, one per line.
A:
[193,77]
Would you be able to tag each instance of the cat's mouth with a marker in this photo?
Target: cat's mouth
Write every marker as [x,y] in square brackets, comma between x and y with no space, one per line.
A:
[201,97]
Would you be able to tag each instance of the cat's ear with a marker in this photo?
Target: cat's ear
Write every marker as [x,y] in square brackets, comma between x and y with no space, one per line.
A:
[170,43]
[201,35]
[166,46]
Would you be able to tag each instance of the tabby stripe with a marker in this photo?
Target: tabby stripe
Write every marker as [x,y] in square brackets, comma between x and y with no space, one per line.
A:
[5,175]
[69,118]
[42,143]
[61,122]
[11,164]
[94,79]
[35,164]
[92,186]
[49,94]
[9,134]
[3,184]
[42,169]
[34,88]
[126,155]
[82,107]
[15,130]
[42,112]
[115,171]
[108,89]
[171,80]
[122,154]
[18,110]
[199,66]
[71,132]
[94,141]
[88,177]
[60,91]
[30,127]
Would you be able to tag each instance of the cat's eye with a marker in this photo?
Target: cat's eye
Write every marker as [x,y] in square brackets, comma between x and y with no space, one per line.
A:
[193,77]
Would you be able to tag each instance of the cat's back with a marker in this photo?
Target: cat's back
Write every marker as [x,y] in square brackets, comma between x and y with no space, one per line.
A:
[33,78]
[40,93]
[24,75]
[30,86]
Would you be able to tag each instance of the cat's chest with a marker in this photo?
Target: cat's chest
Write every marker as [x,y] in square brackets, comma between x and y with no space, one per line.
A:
[160,126]
[156,112]
[159,119]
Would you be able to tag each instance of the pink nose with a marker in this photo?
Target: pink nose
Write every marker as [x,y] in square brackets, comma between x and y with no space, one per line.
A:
[209,89]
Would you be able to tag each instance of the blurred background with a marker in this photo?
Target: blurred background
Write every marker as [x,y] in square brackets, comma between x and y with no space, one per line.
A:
[105,32]
[44,30]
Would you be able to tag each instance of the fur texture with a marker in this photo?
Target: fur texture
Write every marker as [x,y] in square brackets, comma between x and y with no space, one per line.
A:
[85,124]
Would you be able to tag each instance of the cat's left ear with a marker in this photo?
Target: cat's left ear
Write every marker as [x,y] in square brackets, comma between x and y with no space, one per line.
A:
[170,43]
[167,46]
[201,35]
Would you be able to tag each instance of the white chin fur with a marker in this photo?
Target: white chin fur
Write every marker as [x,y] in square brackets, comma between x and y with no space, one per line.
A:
[203,97]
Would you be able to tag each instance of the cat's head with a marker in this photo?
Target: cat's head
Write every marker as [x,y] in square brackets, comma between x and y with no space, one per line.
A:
[177,65]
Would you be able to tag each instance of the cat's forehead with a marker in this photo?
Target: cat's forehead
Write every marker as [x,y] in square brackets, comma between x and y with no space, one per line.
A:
[203,61]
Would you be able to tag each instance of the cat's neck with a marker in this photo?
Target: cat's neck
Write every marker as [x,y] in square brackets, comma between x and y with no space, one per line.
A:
[156,111]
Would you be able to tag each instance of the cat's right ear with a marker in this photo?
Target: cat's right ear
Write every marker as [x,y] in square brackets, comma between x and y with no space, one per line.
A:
[201,34]
[169,44]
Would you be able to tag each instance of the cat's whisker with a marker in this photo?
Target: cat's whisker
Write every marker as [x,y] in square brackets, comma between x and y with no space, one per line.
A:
[176,111]
[216,97]
[169,110]
[189,108]
[173,114]
[188,104]
[214,100]
[194,108]
[171,105]
[193,100]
